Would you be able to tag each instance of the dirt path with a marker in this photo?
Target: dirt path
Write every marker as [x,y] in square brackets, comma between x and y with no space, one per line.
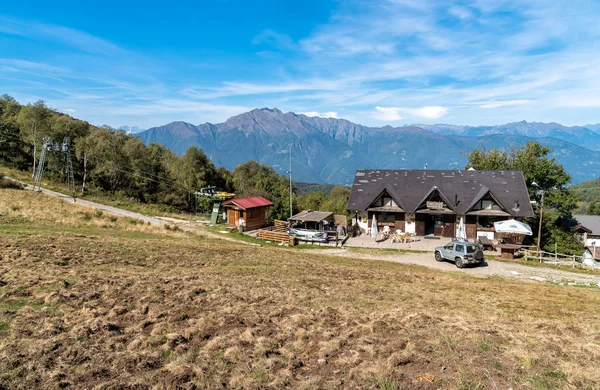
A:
[183,224]
[491,267]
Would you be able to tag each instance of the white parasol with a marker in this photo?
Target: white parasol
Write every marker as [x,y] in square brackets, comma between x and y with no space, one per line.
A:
[512,226]
[374,227]
[462,232]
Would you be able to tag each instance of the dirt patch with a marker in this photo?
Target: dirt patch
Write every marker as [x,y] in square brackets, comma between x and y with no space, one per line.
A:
[85,312]
[86,309]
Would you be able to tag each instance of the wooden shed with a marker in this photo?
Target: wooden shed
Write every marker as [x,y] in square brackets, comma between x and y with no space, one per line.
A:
[315,220]
[250,212]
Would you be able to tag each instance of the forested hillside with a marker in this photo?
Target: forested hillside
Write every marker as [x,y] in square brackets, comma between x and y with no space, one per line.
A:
[110,161]
[589,195]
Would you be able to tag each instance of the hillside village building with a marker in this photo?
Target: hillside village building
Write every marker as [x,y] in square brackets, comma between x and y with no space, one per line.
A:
[431,202]
[589,234]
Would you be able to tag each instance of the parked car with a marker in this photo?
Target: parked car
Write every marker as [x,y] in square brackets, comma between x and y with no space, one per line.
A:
[462,253]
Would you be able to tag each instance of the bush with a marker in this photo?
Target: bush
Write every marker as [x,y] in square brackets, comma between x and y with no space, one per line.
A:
[7,183]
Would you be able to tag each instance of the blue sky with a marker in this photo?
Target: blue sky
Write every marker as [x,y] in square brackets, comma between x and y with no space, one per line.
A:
[146,63]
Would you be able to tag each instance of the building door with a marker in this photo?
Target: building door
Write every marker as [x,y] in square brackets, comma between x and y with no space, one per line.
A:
[420,224]
[429,224]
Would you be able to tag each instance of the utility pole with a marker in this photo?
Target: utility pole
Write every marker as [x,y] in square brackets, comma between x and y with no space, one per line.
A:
[291,213]
[540,227]
[541,215]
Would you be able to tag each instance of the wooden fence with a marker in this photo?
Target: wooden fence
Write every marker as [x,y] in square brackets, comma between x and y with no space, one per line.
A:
[280,226]
[269,235]
[554,258]
[278,232]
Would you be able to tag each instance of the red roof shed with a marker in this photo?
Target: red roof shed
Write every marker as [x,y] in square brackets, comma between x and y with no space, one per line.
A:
[249,203]
[248,212]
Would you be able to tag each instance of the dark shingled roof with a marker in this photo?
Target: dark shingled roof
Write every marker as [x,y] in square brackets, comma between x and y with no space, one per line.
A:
[410,187]
[591,222]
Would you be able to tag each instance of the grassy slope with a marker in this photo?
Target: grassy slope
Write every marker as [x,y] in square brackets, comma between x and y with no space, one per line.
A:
[107,199]
[92,300]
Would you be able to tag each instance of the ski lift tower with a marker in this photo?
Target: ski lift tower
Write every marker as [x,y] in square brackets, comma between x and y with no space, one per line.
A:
[63,149]
[217,197]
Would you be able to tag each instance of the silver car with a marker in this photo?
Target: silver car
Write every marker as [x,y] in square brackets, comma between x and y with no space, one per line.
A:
[461,252]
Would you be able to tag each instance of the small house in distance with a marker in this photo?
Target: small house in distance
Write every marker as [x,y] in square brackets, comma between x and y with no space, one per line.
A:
[588,229]
[247,212]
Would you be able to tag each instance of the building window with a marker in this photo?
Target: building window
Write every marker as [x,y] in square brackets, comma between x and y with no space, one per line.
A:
[488,222]
[386,218]
[439,220]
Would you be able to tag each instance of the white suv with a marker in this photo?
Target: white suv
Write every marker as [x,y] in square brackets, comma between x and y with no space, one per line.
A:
[461,252]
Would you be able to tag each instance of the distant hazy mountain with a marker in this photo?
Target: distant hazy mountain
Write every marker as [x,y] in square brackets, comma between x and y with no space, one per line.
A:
[580,135]
[131,129]
[328,150]
[595,127]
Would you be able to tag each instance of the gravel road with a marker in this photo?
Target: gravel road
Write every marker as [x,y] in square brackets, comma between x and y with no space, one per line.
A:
[491,267]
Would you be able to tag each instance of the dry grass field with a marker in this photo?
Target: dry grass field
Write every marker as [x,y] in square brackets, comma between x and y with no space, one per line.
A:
[92,301]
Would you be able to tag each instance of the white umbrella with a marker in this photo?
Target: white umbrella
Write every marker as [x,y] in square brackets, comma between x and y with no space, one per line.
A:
[512,226]
[462,232]
[374,227]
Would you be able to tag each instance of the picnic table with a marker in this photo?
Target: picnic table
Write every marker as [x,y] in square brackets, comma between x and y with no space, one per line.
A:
[507,251]
[486,243]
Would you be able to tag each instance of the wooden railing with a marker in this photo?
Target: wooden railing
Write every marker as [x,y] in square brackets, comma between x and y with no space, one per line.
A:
[554,258]
[280,226]
[273,235]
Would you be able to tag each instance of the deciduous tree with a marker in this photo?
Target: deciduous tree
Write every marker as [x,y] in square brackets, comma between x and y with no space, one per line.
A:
[34,123]
[537,166]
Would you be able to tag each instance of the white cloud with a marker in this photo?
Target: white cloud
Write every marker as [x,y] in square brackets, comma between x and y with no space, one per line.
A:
[426,112]
[328,114]
[388,113]
[474,61]
[498,104]
[78,39]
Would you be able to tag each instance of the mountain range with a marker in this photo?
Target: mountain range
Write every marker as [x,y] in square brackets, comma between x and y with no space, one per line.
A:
[130,129]
[329,150]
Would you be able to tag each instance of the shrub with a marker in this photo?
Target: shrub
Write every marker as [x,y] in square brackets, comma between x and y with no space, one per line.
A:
[9,184]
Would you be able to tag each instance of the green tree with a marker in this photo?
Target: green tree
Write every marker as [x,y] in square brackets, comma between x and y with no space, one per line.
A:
[13,150]
[551,177]
[9,108]
[34,123]
[594,208]
[225,180]
[489,160]
[82,147]
[252,178]
[338,200]
[312,200]
[107,162]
